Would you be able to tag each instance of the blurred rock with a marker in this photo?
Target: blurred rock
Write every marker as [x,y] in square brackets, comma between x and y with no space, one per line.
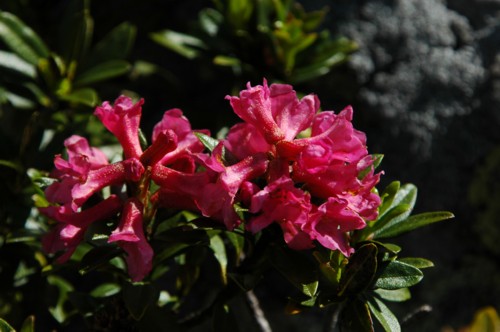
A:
[427,93]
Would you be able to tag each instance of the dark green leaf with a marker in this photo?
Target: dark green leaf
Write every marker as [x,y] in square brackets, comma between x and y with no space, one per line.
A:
[385,316]
[28,325]
[115,45]
[413,222]
[223,319]
[138,297]
[394,295]
[355,316]
[97,257]
[360,270]
[76,33]
[21,39]
[398,275]
[85,96]
[297,268]
[102,71]
[5,327]
[419,263]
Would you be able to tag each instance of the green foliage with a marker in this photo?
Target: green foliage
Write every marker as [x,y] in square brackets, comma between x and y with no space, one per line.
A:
[275,39]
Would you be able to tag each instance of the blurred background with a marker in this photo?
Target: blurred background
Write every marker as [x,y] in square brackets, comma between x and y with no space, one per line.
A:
[423,77]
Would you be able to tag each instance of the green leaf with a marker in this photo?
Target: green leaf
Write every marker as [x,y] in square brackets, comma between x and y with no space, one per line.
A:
[398,275]
[419,263]
[116,45]
[97,257]
[388,196]
[5,327]
[360,270]
[21,39]
[76,33]
[11,62]
[105,290]
[395,215]
[28,325]
[413,222]
[394,295]
[297,268]
[138,297]
[209,142]
[85,96]
[219,249]
[355,316]
[385,316]
[183,44]
[59,311]
[102,71]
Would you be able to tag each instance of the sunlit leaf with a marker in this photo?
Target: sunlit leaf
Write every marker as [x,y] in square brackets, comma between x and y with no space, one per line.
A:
[413,222]
[183,44]
[485,320]
[5,327]
[394,295]
[419,263]
[385,316]
[21,39]
[11,62]
[219,249]
[209,142]
[398,275]
[105,290]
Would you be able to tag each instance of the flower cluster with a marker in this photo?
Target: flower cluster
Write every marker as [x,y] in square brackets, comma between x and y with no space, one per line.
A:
[286,163]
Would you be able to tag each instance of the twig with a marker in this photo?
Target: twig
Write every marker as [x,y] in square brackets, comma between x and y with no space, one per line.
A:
[258,313]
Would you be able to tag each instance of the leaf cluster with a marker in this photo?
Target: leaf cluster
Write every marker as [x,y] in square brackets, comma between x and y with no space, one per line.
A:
[277,39]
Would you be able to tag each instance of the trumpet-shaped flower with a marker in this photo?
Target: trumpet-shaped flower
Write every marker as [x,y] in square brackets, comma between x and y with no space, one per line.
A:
[122,119]
[130,237]
[71,227]
[286,205]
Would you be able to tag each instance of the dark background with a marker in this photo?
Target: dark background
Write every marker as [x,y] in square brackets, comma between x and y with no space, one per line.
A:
[425,87]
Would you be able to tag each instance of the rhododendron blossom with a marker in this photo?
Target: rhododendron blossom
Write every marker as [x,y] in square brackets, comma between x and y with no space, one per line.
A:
[318,188]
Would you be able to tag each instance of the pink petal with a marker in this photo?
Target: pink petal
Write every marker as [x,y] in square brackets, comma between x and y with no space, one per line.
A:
[122,119]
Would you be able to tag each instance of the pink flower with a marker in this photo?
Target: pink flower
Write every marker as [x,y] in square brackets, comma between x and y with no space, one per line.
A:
[217,198]
[122,119]
[178,189]
[331,163]
[332,222]
[81,160]
[286,205]
[275,111]
[69,232]
[130,237]
[187,143]
[117,173]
